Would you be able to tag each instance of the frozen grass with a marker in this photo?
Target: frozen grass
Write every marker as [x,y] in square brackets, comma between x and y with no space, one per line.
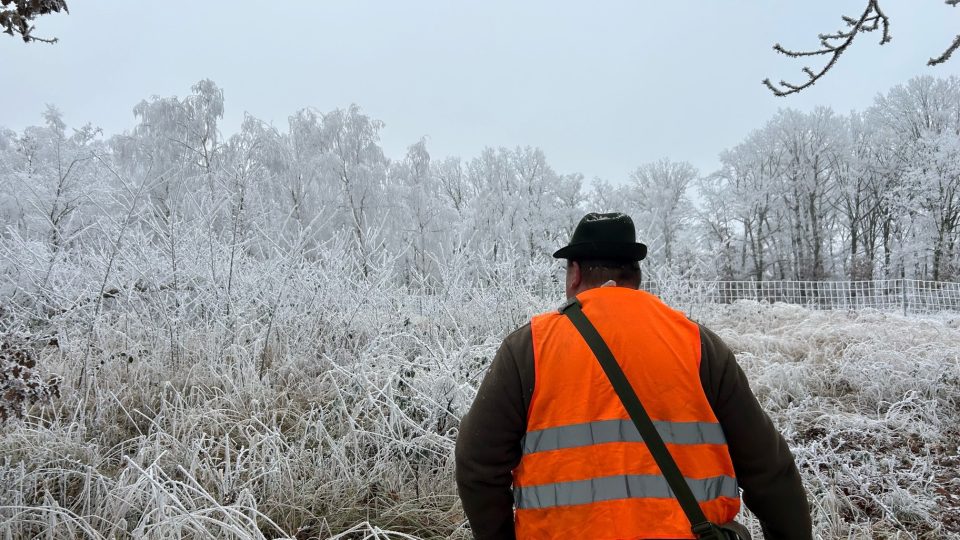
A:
[309,404]
[870,402]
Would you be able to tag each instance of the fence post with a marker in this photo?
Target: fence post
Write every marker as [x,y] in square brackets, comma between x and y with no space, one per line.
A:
[903,295]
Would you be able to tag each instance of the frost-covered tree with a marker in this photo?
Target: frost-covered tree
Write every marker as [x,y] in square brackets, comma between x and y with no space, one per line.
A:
[549,200]
[175,152]
[717,222]
[858,207]
[520,203]
[921,121]
[455,190]
[422,219]
[869,195]
[50,188]
[16,16]
[48,176]
[297,197]
[745,184]
[933,181]
[353,160]
[810,143]
[807,196]
[660,192]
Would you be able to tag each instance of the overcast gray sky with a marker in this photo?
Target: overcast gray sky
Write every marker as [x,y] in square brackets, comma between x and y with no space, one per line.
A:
[601,86]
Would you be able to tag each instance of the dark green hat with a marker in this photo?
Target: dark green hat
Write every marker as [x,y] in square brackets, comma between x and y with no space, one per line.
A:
[604,236]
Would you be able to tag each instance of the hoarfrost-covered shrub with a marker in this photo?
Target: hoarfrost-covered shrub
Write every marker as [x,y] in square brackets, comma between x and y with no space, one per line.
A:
[869,402]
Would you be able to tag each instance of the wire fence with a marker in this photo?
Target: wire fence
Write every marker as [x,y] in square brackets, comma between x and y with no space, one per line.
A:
[908,296]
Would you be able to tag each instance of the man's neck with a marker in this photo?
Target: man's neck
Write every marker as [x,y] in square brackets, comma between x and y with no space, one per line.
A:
[610,283]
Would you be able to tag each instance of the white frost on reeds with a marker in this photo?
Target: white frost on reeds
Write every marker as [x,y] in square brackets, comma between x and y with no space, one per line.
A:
[326,405]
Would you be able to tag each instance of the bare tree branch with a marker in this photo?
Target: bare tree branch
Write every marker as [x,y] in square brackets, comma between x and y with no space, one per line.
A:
[946,54]
[834,45]
[952,48]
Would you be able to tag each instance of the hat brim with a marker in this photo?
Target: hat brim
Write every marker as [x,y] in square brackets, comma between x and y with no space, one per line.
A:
[603,250]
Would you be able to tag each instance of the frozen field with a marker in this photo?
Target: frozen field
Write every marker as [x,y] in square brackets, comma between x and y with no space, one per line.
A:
[341,425]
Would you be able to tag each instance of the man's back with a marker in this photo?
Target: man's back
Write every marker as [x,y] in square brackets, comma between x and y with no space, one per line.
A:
[545,383]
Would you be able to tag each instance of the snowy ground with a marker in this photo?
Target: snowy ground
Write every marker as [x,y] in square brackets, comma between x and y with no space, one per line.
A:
[342,426]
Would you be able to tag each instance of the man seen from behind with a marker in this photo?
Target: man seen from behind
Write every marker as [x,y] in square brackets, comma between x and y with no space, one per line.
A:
[547,449]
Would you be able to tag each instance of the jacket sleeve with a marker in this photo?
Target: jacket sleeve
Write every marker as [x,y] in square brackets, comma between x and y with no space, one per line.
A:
[488,445]
[765,468]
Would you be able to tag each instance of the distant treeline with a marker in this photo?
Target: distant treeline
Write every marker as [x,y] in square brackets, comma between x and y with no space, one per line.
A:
[808,196]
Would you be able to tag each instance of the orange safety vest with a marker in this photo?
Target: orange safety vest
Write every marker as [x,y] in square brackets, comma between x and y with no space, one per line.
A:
[585,472]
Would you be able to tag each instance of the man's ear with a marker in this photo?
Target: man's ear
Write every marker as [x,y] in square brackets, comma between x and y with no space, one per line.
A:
[576,277]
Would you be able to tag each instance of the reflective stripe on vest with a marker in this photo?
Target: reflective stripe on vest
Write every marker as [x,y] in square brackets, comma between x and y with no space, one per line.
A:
[618,487]
[605,431]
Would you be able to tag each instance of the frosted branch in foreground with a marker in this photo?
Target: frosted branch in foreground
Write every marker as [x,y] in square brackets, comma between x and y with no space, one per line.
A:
[16,15]
[952,48]
[834,45]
